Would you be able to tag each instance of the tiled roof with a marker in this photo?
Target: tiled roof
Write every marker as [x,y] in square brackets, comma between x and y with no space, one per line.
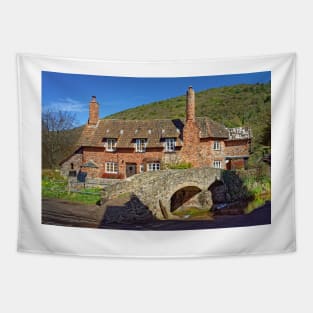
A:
[155,131]
[90,164]
[209,128]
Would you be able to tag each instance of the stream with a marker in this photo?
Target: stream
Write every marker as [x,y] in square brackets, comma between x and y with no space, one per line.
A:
[241,207]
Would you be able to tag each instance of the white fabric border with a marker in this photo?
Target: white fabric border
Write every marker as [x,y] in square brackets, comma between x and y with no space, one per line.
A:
[275,238]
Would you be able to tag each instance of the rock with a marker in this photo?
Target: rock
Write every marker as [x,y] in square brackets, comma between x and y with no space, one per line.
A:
[228,197]
[219,194]
[205,199]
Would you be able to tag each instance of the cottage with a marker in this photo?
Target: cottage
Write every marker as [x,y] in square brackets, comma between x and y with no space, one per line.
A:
[112,148]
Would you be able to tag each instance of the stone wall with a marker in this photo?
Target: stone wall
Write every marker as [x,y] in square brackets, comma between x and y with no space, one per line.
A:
[92,182]
[156,189]
[72,164]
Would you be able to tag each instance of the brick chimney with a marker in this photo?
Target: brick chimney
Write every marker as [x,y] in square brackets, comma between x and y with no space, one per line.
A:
[190,105]
[93,111]
[191,139]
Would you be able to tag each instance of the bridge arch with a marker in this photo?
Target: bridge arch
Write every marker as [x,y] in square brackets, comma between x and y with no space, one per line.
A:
[160,191]
[183,195]
[177,194]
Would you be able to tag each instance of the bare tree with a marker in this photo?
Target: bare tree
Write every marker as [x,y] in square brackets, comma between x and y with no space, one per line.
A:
[56,136]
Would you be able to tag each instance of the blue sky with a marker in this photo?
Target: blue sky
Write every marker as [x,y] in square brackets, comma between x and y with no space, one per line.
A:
[72,92]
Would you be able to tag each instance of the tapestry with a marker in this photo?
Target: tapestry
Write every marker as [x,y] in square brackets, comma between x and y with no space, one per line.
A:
[184,158]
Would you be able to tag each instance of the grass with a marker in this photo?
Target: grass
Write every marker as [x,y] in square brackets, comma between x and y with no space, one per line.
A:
[256,203]
[55,186]
[257,186]
[180,166]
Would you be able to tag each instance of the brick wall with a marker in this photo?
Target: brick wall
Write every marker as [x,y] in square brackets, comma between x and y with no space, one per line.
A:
[198,152]
[237,147]
[100,156]
[237,164]
[191,151]
[91,172]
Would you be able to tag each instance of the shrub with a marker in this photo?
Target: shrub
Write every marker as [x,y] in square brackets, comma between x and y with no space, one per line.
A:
[257,186]
[112,176]
[180,166]
[51,174]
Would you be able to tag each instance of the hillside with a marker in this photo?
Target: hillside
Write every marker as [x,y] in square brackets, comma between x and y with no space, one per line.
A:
[238,105]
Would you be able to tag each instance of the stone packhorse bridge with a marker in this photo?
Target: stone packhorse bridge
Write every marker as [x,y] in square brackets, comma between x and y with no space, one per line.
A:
[164,191]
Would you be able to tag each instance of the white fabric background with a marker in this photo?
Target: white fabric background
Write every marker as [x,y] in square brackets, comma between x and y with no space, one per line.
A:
[165,29]
[277,237]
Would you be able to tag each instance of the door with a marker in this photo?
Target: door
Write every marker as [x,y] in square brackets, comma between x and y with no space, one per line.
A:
[131,169]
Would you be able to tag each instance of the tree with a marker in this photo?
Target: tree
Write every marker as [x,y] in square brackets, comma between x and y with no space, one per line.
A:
[266,135]
[56,137]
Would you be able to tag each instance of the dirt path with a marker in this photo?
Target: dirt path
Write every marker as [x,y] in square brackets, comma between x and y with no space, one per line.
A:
[63,213]
[60,212]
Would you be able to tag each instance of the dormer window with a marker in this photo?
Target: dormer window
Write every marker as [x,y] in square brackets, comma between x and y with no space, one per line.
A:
[140,145]
[216,145]
[111,144]
[170,144]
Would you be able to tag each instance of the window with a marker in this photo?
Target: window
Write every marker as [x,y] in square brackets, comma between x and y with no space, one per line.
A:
[153,166]
[217,164]
[72,173]
[140,145]
[142,168]
[111,144]
[111,167]
[217,145]
[170,144]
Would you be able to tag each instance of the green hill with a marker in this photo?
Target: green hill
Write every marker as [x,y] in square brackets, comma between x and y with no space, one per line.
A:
[239,105]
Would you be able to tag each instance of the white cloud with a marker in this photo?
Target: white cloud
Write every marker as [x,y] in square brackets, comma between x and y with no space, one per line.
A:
[67,104]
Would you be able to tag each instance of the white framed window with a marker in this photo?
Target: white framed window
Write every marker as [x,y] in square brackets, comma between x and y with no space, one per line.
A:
[140,145]
[217,164]
[111,144]
[155,166]
[111,167]
[170,144]
[142,168]
[216,145]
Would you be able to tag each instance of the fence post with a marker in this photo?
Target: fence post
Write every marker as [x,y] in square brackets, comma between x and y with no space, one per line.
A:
[69,186]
